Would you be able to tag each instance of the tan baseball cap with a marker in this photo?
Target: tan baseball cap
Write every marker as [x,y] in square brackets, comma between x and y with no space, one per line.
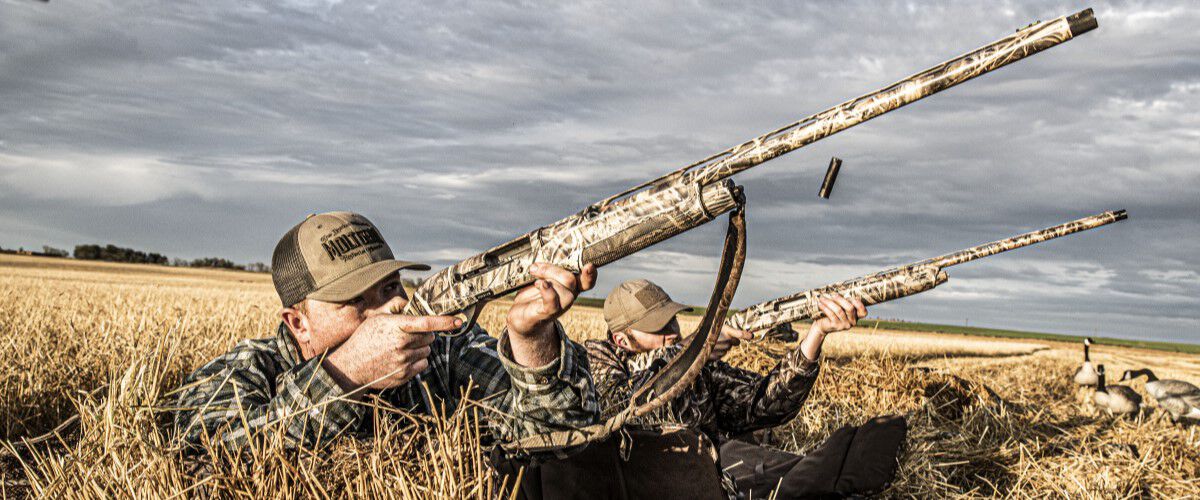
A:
[641,305]
[333,257]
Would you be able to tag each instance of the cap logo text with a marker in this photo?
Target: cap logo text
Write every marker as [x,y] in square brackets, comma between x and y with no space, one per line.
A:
[349,242]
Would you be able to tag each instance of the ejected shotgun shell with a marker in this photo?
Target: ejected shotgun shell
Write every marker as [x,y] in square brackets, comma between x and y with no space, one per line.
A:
[835,164]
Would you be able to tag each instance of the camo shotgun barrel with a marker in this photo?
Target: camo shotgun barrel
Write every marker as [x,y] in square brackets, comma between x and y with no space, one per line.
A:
[900,281]
[1024,43]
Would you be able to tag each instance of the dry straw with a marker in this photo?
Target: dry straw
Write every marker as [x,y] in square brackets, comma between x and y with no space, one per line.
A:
[109,343]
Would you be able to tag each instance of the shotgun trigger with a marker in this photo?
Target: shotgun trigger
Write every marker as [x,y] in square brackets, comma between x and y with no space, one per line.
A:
[472,315]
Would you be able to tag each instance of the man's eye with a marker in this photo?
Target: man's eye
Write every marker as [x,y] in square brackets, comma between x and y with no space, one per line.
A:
[355,301]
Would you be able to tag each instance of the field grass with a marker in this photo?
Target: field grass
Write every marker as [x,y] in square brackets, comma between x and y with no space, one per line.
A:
[989,417]
[1021,334]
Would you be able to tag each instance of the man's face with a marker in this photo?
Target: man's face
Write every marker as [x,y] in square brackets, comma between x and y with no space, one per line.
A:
[639,341]
[327,325]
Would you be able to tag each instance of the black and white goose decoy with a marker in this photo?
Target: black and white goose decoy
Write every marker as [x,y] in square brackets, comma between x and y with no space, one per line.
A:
[1086,374]
[1180,399]
[1117,399]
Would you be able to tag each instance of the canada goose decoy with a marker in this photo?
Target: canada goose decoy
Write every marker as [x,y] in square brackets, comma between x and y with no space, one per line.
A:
[1180,399]
[1116,399]
[1086,374]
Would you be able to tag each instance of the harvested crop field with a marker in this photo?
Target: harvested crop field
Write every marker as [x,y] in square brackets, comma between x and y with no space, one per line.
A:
[989,417]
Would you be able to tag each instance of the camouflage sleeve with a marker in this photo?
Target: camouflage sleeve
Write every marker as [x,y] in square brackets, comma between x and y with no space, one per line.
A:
[236,399]
[748,401]
[614,386]
[529,400]
[617,378]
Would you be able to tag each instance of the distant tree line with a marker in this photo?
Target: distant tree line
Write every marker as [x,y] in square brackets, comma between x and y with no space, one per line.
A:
[220,263]
[50,251]
[113,253]
[214,262]
[47,251]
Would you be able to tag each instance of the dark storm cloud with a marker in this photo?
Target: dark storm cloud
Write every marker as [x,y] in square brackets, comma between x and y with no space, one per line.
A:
[208,128]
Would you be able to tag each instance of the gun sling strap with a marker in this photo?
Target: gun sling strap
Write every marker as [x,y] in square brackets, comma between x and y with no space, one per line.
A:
[679,373]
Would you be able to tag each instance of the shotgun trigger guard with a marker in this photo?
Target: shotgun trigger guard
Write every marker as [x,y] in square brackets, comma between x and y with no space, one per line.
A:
[472,314]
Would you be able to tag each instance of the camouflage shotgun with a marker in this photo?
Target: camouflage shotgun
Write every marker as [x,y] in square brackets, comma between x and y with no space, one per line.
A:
[694,195]
[639,217]
[900,281]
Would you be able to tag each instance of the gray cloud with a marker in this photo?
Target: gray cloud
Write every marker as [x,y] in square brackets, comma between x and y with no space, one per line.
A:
[208,128]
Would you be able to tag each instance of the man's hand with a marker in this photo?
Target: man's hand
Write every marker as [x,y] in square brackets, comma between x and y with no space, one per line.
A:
[537,306]
[531,319]
[730,337]
[386,350]
[840,314]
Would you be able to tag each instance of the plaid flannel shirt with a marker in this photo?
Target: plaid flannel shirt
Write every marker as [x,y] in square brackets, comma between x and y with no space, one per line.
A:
[264,383]
[724,401]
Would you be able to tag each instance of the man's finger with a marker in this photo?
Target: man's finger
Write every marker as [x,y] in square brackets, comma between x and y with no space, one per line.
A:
[425,324]
[847,309]
[823,306]
[417,367]
[587,277]
[831,310]
[527,294]
[850,308]
[738,334]
[565,295]
[845,303]
[412,355]
[411,340]
[838,309]
[860,307]
[395,305]
[556,274]
[550,303]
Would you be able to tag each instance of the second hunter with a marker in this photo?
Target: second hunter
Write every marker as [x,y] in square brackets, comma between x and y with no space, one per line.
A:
[727,404]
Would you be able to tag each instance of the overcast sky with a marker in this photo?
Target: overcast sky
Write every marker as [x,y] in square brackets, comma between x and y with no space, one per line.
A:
[209,128]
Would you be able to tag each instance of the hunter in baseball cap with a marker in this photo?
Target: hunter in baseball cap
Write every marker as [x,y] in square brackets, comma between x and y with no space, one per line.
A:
[640,305]
[332,257]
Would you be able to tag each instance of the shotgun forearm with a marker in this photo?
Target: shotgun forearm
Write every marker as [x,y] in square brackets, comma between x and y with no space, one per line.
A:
[803,306]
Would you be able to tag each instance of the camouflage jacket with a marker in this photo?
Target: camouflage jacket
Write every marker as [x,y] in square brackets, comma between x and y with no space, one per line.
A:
[723,402]
[264,383]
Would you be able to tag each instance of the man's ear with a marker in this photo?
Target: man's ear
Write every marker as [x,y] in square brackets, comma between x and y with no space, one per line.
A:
[297,322]
[621,339]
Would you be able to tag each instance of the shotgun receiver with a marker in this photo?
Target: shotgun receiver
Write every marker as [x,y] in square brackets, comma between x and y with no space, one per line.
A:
[696,194]
[900,281]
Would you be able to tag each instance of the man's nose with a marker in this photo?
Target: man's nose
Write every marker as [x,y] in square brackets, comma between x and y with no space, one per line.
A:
[671,339]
